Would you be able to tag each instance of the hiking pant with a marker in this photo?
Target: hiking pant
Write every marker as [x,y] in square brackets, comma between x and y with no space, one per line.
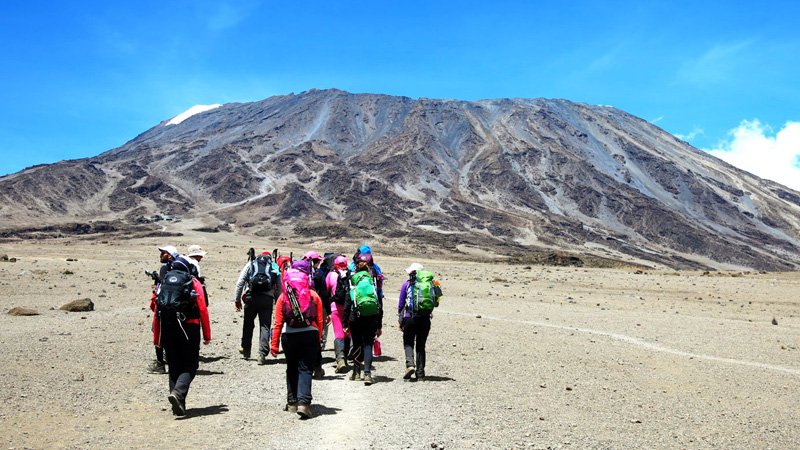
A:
[300,350]
[260,306]
[416,329]
[324,339]
[364,338]
[182,343]
[337,312]
[160,355]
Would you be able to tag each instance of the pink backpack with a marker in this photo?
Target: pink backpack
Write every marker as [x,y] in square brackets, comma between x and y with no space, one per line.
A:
[300,310]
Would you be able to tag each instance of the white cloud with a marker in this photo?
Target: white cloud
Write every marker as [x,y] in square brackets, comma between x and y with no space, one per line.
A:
[227,15]
[691,135]
[753,147]
[718,64]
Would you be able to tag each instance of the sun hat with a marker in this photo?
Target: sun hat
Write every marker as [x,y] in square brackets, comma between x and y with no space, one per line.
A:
[414,267]
[340,261]
[303,266]
[312,255]
[196,250]
[169,249]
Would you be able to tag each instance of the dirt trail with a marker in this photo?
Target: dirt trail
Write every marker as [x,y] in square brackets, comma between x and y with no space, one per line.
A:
[517,358]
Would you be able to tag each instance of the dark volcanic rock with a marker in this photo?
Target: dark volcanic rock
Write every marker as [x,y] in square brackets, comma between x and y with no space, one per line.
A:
[81,305]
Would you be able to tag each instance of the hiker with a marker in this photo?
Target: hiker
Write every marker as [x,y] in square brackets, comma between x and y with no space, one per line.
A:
[260,280]
[373,267]
[298,328]
[363,314]
[182,313]
[166,254]
[195,254]
[337,285]
[314,260]
[284,263]
[418,296]
[318,273]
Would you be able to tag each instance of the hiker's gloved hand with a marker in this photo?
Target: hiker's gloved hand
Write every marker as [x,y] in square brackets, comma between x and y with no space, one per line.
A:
[238,305]
[273,351]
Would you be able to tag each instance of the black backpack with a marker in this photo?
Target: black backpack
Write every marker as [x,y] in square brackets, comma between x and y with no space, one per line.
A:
[176,296]
[262,278]
[342,288]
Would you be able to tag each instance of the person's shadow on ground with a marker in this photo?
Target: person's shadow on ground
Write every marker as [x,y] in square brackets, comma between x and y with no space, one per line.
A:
[206,411]
[433,378]
[322,410]
[210,359]
[209,372]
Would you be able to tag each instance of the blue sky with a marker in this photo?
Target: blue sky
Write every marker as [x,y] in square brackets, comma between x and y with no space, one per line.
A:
[82,77]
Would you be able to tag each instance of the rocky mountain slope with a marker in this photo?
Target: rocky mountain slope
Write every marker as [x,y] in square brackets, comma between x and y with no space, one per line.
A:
[511,175]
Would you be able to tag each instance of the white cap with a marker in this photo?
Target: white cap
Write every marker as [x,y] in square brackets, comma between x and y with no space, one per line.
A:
[196,250]
[169,249]
[414,267]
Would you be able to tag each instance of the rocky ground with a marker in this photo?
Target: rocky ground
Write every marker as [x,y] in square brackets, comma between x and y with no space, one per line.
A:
[519,357]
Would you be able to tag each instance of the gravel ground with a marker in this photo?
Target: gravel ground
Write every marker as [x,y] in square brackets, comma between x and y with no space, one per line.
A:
[518,357]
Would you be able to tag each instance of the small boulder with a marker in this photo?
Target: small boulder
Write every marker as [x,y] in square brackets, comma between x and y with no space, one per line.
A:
[20,311]
[4,258]
[81,305]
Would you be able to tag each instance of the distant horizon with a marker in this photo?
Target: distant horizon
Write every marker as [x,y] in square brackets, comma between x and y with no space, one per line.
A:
[83,79]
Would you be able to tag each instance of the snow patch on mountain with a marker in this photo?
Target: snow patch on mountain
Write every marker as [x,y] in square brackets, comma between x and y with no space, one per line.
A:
[196,109]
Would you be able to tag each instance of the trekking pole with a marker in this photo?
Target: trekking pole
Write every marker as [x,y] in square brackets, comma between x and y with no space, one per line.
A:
[152,275]
[294,303]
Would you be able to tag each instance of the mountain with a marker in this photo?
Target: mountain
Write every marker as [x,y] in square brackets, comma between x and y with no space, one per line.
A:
[512,176]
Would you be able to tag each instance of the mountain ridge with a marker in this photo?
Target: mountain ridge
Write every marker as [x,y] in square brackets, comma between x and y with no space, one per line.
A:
[510,174]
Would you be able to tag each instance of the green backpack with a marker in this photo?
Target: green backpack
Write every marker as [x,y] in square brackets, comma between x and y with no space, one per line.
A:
[424,294]
[363,294]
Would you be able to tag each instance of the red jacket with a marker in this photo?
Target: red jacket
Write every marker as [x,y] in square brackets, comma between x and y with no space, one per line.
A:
[204,322]
[279,319]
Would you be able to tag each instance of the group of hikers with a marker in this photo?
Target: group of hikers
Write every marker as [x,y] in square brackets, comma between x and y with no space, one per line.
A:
[295,301]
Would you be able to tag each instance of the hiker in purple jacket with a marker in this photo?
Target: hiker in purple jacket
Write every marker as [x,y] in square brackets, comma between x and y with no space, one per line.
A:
[415,326]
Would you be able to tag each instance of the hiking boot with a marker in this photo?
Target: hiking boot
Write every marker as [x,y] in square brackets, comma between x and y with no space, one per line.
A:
[361,376]
[304,411]
[409,372]
[156,367]
[244,353]
[368,379]
[420,374]
[319,372]
[291,407]
[341,366]
[178,405]
[262,359]
[354,375]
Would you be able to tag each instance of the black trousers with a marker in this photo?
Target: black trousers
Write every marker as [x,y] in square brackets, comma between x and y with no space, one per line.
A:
[363,332]
[416,329]
[182,343]
[301,351]
[257,306]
